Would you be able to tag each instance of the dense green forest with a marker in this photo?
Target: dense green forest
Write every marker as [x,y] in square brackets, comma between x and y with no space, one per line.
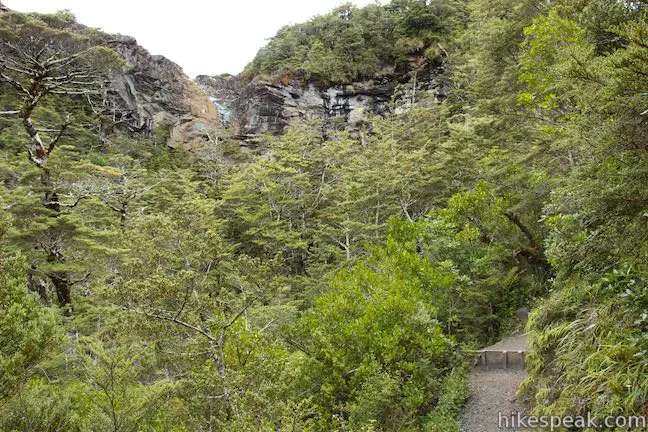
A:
[351,43]
[321,283]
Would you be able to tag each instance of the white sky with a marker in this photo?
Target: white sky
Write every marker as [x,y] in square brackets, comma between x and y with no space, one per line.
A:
[207,37]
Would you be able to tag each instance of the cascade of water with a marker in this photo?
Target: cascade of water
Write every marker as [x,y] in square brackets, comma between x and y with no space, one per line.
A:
[222,110]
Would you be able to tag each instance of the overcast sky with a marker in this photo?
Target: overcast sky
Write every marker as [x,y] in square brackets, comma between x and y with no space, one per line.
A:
[203,36]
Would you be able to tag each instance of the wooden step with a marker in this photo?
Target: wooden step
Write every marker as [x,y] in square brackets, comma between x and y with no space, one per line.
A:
[497,359]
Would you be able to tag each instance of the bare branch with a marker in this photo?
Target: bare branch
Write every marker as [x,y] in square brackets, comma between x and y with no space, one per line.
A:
[15,84]
[76,203]
[527,233]
[34,159]
[40,53]
[188,291]
[18,50]
[203,332]
[73,82]
[66,61]
[299,347]
[57,138]
[85,278]
[112,207]
[71,92]
[404,207]
[17,69]
[536,248]
[94,110]
[174,320]
[7,113]
[239,315]
[267,326]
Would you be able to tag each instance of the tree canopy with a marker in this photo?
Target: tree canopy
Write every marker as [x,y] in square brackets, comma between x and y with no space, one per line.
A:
[352,43]
[325,281]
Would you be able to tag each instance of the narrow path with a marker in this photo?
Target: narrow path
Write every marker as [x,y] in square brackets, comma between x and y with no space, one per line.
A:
[513,343]
[493,393]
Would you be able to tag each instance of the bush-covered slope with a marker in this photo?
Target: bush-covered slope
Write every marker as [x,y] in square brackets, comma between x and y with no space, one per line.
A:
[324,282]
[352,43]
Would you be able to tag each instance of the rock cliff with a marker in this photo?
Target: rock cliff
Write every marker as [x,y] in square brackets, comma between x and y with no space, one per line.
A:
[154,91]
[259,108]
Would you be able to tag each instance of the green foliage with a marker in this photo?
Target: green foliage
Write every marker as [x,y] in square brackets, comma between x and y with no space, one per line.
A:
[113,384]
[353,43]
[502,265]
[455,392]
[334,281]
[589,336]
[313,203]
[59,33]
[101,387]
[607,339]
[27,331]
[162,133]
[551,42]
[377,351]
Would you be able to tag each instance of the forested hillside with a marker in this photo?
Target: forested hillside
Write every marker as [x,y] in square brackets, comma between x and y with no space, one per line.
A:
[325,279]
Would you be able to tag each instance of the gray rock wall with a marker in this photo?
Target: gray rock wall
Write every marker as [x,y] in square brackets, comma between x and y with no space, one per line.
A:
[259,108]
[152,90]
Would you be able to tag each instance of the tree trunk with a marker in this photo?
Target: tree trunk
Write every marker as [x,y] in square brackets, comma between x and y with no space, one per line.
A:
[63,287]
[39,155]
[36,284]
[51,200]
[123,211]
[105,127]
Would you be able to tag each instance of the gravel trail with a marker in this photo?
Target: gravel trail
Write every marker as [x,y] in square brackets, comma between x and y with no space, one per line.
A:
[493,392]
[513,343]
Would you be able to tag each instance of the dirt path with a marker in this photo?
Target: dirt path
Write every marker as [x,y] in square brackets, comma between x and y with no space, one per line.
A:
[513,343]
[493,393]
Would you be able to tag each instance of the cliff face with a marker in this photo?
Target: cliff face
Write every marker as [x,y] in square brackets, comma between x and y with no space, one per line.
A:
[259,108]
[153,91]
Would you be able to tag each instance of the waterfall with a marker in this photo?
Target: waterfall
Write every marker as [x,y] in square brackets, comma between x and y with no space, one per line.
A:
[223,111]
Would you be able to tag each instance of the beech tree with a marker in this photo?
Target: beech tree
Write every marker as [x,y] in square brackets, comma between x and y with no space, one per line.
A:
[41,57]
[331,281]
[27,331]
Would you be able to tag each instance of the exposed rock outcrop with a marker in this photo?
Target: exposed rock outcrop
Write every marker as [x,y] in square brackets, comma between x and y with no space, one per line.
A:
[271,108]
[154,91]
[151,92]
[259,108]
[224,90]
[192,129]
